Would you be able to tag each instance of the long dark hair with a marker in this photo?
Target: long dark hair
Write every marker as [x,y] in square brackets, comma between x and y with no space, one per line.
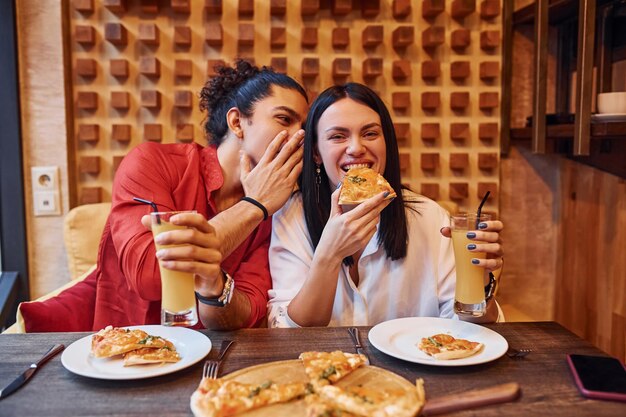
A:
[392,233]
[240,86]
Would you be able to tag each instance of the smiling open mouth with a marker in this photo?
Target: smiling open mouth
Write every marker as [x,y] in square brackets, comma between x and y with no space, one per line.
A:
[346,168]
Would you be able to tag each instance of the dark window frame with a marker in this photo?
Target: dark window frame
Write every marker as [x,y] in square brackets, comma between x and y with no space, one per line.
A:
[12,211]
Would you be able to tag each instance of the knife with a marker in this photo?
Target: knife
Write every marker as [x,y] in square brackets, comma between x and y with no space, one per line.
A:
[27,374]
[354,332]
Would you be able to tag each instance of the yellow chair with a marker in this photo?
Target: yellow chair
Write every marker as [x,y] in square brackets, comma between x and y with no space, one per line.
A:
[82,229]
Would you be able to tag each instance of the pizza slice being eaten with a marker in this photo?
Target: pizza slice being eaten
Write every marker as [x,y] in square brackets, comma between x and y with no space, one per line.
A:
[446,347]
[324,368]
[221,398]
[359,184]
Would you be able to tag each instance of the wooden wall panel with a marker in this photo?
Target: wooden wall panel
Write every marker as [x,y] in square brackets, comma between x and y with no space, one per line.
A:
[529,202]
[591,284]
[163,55]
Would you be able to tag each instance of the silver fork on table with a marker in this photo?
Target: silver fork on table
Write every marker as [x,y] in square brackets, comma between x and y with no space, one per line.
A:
[517,353]
[354,332]
[212,366]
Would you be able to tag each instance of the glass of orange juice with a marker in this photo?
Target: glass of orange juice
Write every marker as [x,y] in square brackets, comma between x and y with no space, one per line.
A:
[469,297]
[178,301]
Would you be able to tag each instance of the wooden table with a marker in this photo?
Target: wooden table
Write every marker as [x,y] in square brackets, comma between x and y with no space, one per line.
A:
[547,385]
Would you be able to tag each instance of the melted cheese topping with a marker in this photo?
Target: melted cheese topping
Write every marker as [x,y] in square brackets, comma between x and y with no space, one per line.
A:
[446,347]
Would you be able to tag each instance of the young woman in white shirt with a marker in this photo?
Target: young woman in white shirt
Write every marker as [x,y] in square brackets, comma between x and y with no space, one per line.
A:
[379,261]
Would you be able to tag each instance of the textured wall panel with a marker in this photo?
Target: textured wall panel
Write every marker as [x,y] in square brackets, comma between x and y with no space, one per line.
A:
[138,67]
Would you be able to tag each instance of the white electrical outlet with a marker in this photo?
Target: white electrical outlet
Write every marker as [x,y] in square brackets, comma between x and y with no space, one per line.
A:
[46,191]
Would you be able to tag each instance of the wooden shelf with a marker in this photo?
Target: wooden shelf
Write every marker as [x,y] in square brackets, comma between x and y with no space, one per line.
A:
[607,150]
[558,11]
[598,131]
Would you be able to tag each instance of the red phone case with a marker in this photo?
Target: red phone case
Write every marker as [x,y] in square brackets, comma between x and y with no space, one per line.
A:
[600,395]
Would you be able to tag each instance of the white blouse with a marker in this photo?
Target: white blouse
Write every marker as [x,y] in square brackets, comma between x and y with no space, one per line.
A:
[421,284]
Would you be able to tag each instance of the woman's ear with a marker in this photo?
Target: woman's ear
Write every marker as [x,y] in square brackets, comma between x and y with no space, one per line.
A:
[316,156]
[233,119]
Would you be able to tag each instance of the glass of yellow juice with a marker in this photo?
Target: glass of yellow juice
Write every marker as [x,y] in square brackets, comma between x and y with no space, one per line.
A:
[469,298]
[178,301]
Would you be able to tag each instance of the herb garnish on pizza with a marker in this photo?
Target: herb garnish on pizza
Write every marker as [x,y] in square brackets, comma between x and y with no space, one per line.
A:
[357,400]
[324,368]
[444,346]
[359,184]
[221,398]
[137,346]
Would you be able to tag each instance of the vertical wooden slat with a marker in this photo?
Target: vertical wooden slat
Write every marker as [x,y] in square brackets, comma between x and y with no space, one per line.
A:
[586,36]
[564,66]
[71,146]
[507,76]
[540,70]
[604,56]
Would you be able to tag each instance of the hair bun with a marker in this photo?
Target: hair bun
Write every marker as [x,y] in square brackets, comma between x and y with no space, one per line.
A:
[225,83]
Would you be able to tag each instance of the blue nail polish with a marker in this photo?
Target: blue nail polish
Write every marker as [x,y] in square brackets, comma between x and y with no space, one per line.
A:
[338,185]
[471,235]
[386,194]
[471,246]
[482,225]
[475,261]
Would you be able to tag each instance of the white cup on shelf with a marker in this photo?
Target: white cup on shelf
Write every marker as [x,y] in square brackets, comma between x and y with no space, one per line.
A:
[612,103]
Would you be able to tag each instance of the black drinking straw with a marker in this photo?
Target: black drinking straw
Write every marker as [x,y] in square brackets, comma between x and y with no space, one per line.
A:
[154,207]
[480,208]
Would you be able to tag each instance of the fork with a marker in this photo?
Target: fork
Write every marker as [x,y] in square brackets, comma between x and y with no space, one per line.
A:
[517,353]
[212,367]
[354,332]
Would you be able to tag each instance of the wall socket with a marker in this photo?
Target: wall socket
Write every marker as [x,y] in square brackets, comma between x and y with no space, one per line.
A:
[46,190]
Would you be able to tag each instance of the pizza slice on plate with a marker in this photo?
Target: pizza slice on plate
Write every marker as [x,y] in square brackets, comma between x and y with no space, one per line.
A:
[324,368]
[112,341]
[359,184]
[444,346]
[145,356]
[331,400]
[221,398]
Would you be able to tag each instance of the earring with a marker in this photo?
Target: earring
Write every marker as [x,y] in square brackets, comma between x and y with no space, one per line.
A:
[318,181]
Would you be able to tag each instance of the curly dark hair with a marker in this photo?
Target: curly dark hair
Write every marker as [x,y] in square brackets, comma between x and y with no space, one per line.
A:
[240,86]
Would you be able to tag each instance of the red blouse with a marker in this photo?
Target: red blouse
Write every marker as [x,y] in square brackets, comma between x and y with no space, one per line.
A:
[127,280]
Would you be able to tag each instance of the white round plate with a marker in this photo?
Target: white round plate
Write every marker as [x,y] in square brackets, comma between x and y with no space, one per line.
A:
[192,346]
[609,117]
[399,338]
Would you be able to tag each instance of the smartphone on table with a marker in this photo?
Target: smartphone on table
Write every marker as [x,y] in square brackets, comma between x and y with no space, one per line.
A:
[599,377]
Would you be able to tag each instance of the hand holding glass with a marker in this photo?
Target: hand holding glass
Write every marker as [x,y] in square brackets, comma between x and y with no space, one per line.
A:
[178,302]
[469,299]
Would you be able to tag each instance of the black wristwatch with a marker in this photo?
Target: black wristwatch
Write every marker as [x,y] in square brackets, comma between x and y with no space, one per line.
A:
[223,299]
